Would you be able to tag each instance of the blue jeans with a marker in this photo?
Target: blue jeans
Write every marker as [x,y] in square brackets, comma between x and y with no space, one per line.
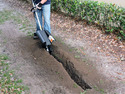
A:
[45,11]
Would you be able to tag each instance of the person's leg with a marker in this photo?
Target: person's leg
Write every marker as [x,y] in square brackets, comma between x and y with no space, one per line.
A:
[46,14]
[39,13]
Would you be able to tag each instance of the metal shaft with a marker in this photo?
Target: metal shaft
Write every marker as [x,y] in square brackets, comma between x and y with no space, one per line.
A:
[37,17]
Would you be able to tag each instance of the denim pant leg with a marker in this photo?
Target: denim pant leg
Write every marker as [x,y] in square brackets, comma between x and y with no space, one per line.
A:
[39,13]
[46,14]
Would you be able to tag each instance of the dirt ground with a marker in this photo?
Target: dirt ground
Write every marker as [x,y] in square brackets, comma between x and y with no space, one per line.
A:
[39,70]
[99,58]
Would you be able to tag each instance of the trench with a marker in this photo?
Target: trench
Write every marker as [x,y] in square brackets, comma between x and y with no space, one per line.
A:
[68,64]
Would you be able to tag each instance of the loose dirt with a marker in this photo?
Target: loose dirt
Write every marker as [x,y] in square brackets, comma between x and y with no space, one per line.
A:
[39,70]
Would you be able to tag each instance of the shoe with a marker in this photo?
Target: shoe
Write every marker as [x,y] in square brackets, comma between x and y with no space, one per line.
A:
[35,36]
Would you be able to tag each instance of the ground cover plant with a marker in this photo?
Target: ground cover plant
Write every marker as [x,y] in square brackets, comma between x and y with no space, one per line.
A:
[110,17]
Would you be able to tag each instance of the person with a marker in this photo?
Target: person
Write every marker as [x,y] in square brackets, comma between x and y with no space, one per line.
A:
[43,8]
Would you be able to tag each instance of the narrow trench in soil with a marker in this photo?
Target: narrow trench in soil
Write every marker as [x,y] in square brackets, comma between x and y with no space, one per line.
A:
[69,67]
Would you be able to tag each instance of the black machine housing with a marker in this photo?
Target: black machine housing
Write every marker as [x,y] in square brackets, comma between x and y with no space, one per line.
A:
[44,36]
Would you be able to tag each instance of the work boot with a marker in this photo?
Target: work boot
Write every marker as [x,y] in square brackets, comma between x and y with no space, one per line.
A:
[35,36]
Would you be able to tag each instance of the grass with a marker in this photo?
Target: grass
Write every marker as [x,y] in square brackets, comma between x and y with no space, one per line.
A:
[100,90]
[78,51]
[4,16]
[0,31]
[74,49]
[9,84]
[82,49]
[22,22]
[58,73]
[123,82]
[75,85]
[29,33]
[3,57]
[4,41]
[84,60]
[83,92]
[101,81]
[77,56]
[70,49]
[24,25]
[43,92]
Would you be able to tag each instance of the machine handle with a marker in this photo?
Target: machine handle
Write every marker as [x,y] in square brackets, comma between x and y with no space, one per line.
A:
[33,9]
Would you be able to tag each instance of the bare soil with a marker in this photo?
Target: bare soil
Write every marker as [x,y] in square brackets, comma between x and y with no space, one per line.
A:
[89,56]
[39,70]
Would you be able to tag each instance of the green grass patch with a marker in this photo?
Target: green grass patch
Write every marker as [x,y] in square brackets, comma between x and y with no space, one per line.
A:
[3,57]
[29,33]
[4,16]
[70,49]
[22,22]
[84,60]
[99,90]
[4,41]
[0,31]
[75,85]
[83,92]
[77,56]
[43,92]
[8,83]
